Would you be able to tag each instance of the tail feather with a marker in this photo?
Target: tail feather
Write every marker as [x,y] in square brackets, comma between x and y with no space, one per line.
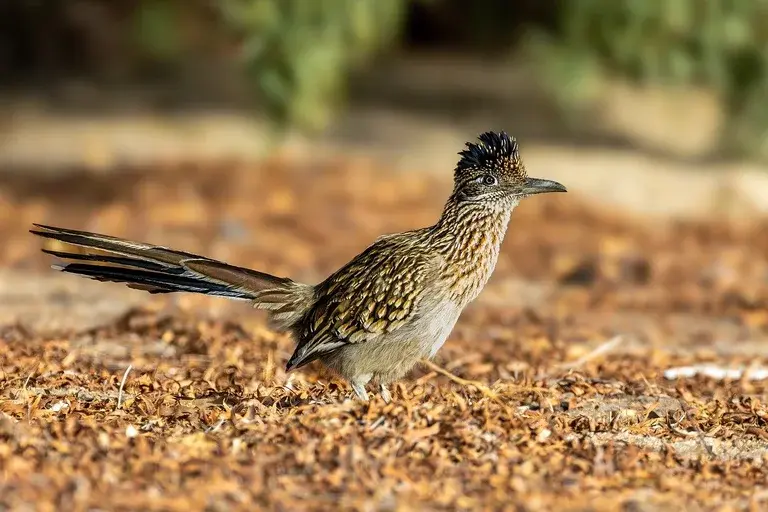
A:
[152,282]
[114,260]
[158,269]
[136,250]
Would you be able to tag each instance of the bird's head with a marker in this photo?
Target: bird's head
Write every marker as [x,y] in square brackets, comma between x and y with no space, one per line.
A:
[492,173]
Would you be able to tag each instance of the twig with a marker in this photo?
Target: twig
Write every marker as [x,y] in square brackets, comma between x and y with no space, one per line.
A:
[379,422]
[597,352]
[701,436]
[485,390]
[677,430]
[482,388]
[26,393]
[26,381]
[216,427]
[122,385]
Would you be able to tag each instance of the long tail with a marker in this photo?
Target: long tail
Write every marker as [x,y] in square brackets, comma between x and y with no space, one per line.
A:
[157,269]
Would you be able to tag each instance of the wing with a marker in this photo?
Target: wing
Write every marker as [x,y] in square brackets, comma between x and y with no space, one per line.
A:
[376,293]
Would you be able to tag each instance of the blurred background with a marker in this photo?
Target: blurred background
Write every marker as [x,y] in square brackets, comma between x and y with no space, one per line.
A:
[287,134]
[680,79]
[107,81]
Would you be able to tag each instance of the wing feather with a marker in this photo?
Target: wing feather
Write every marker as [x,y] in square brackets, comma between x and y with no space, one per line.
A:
[376,293]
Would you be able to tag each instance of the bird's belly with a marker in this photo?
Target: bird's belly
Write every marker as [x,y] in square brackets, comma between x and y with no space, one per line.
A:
[434,328]
[394,354]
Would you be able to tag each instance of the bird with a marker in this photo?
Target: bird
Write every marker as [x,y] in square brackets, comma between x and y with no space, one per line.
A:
[375,318]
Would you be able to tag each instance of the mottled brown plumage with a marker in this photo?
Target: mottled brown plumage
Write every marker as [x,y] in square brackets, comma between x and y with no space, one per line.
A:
[377,316]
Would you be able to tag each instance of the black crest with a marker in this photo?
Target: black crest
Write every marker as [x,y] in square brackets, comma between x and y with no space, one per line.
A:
[495,150]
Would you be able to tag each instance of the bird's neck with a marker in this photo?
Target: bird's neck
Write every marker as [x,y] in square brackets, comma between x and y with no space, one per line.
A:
[468,220]
[469,236]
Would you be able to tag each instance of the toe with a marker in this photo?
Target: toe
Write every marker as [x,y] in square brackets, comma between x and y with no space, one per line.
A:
[385,395]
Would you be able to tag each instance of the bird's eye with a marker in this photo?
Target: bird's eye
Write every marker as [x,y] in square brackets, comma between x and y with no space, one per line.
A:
[489,180]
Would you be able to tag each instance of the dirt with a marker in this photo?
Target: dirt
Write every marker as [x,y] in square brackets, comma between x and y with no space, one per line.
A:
[549,395]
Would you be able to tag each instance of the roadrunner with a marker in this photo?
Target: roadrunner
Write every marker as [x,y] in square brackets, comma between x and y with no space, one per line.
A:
[375,318]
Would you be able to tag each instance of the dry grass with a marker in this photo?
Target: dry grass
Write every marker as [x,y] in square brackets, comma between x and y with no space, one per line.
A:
[526,408]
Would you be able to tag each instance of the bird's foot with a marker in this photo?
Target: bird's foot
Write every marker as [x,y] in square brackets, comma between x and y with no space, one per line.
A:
[385,394]
[359,388]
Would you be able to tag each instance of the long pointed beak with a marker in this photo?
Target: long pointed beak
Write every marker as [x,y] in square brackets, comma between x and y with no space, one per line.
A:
[540,186]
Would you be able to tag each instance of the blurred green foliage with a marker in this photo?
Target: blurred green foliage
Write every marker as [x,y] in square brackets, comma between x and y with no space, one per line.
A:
[299,52]
[156,30]
[296,53]
[717,44]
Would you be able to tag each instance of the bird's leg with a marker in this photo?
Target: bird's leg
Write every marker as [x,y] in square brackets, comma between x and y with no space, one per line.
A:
[358,385]
[384,392]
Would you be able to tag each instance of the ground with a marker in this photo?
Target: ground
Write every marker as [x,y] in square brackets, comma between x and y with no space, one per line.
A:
[563,387]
